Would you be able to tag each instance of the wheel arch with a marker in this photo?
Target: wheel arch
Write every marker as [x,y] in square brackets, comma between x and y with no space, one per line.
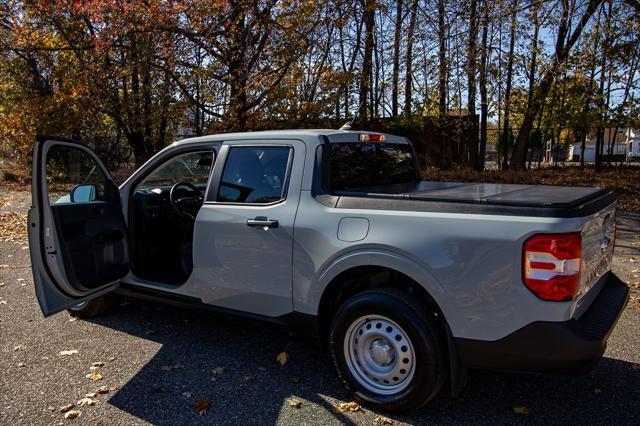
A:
[361,271]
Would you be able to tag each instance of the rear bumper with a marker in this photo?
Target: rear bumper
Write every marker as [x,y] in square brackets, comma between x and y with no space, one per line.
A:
[573,346]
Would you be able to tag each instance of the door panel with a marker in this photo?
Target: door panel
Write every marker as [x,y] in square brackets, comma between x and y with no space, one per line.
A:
[77,233]
[243,239]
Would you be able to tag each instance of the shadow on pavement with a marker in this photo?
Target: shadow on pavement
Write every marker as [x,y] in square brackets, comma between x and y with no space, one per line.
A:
[253,388]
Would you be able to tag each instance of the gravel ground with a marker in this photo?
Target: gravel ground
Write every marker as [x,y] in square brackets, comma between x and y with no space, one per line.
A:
[160,359]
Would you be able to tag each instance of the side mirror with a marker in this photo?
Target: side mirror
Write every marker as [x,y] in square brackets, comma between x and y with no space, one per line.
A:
[84,193]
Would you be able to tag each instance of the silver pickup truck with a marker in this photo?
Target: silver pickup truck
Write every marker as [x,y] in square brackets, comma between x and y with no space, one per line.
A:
[408,282]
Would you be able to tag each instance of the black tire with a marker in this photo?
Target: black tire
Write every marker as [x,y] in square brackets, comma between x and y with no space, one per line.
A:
[93,308]
[421,328]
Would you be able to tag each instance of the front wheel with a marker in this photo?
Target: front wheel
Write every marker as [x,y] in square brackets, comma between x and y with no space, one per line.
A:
[388,349]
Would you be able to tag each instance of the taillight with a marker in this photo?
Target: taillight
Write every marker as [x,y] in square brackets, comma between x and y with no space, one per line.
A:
[371,137]
[552,264]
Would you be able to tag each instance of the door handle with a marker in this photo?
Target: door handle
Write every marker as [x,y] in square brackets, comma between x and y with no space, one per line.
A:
[263,222]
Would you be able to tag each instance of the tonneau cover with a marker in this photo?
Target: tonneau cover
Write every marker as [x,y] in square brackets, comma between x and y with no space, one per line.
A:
[487,193]
[505,194]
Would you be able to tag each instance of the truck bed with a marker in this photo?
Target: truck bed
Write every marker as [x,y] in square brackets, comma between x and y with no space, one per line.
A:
[478,198]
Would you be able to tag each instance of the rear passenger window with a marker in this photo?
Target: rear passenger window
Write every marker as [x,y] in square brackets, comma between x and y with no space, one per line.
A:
[254,175]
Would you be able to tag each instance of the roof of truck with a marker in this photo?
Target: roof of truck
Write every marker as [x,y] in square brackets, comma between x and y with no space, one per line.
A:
[333,134]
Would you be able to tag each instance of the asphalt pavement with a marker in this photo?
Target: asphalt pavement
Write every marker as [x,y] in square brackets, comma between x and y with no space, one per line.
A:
[160,360]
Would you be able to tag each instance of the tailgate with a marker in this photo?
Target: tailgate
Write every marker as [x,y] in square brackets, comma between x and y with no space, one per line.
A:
[598,238]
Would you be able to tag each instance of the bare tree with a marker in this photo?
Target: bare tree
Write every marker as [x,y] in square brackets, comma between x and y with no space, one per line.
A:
[396,59]
[562,49]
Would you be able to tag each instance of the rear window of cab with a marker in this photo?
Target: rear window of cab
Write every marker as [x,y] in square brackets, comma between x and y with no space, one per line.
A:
[357,165]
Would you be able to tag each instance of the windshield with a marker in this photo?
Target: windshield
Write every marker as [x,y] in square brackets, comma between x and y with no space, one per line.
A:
[357,165]
[192,167]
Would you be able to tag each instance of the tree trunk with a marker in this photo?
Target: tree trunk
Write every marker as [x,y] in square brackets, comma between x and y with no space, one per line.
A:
[507,92]
[368,16]
[484,105]
[471,79]
[396,59]
[442,87]
[602,107]
[558,59]
[238,100]
[408,85]
[533,64]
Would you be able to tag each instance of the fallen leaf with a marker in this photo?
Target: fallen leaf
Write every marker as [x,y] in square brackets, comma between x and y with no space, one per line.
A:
[282,358]
[171,367]
[72,414]
[294,380]
[72,319]
[98,364]
[86,401]
[95,376]
[218,370]
[525,411]
[68,352]
[51,408]
[66,408]
[381,420]
[21,364]
[19,348]
[3,302]
[348,406]
[102,389]
[91,395]
[201,406]
[295,403]
[633,260]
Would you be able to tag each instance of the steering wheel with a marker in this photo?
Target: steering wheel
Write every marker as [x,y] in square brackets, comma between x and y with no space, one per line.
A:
[186,198]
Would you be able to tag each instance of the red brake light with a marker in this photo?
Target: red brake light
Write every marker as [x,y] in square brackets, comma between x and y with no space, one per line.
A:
[371,137]
[551,265]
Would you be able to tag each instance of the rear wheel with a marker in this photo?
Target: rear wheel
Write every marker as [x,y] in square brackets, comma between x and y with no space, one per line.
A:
[92,308]
[388,349]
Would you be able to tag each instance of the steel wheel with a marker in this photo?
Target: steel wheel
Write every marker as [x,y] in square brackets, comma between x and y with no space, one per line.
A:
[379,354]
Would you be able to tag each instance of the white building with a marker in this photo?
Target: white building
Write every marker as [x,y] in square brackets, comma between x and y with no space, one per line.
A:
[632,139]
[626,145]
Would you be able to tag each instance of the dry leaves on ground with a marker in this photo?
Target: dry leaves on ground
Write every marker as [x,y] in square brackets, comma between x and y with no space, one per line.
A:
[525,411]
[95,376]
[66,408]
[13,227]
[86,401]
[381,420]
[282,358]
[103,389]
[73,414]
[201,406]
[295,403]
[348,406]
